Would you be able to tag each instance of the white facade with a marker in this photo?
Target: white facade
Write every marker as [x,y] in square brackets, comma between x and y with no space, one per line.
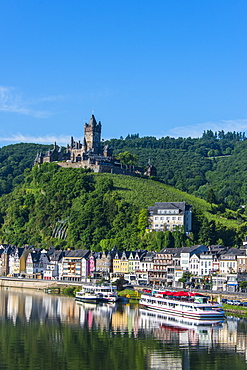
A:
[146,265]
[134,262]
[228,265]
[194,264]
[36,263]
[206,264]
[170,216]
[51,271]
[185,261]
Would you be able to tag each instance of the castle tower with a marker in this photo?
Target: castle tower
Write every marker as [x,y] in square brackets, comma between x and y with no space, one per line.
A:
[92,135]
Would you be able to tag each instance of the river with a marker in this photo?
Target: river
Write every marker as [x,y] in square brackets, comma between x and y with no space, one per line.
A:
[42,331]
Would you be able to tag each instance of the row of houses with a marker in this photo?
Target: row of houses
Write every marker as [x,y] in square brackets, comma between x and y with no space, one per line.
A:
[216,266]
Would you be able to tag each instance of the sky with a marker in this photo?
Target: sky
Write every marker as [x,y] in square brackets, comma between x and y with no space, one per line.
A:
[153,67]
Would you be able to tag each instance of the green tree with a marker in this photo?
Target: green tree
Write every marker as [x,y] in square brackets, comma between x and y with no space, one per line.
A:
[127,158]
[143,220]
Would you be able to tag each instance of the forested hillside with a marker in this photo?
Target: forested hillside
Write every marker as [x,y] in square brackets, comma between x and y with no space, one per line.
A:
[14,159]
[215,163]
[212,167]
[76,208]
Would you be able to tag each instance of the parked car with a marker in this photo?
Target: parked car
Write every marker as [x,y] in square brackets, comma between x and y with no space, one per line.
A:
[229,301]
[237,303]
[224,300]
[244,304]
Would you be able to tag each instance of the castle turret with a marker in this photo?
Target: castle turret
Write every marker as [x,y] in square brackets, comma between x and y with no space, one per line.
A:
[92,135]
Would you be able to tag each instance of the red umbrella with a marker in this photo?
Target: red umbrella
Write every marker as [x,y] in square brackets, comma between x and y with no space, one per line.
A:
[181,294]
[167,293]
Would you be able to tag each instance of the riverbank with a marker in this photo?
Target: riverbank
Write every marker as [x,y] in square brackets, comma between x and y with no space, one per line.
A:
[36,283]
[46,284]
[235,310]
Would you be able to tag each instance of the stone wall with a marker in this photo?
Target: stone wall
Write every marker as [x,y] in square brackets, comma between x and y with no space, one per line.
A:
[34,284]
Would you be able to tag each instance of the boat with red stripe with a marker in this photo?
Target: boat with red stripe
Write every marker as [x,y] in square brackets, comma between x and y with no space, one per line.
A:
[187,304]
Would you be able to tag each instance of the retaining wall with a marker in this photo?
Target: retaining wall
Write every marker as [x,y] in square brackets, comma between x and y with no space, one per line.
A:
[34,284]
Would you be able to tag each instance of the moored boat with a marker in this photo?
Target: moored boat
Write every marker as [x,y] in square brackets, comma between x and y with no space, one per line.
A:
[185,304]
[97,293]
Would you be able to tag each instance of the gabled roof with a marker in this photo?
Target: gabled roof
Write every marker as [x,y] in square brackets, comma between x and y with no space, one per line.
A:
[77,253]
[148,255]
[234,252]
[177,251]
[9,249]
[182,206]
[20,251]
[56,255]
[35,256]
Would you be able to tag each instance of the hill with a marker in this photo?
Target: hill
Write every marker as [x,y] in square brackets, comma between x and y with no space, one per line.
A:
[216,161]
[212,167]
[14,159]
[80,209]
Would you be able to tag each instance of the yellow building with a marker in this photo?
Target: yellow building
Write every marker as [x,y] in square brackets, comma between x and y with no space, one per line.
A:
[120,263]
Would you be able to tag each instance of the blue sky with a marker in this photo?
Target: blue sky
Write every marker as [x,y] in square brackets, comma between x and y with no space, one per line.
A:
[153,67]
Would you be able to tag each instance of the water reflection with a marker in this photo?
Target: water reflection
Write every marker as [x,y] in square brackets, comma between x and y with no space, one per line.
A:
[181,340]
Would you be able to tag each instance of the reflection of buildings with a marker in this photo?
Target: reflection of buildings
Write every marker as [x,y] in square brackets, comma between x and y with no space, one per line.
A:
[157,361]
[35,306]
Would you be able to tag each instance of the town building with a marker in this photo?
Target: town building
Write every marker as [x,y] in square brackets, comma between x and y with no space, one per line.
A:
[242,262]
[6,252]
[120,263]
[228,260]
[36,263]
[147,261]
[194,264]
[186,254]
[74,265]
[169,216]
[14,261]
[52,269]
[209,260]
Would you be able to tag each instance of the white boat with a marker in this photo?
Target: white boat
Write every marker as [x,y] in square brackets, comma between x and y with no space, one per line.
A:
[185,304]
[97,293]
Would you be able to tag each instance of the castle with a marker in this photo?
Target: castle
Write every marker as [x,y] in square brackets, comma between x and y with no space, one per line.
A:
[91,153]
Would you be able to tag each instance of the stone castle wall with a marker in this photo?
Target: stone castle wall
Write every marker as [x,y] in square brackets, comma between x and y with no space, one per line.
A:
[99,168]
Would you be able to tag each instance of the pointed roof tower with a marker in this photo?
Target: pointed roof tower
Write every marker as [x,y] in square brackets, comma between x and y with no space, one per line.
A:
[92,121]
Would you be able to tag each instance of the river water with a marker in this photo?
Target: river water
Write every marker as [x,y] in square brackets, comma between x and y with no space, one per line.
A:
[42,331]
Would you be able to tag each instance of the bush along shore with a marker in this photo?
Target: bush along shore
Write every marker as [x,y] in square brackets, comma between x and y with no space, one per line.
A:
[235,310]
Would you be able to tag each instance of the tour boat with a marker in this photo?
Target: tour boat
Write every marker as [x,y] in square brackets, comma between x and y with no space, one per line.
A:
[185,304]
[97,293]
